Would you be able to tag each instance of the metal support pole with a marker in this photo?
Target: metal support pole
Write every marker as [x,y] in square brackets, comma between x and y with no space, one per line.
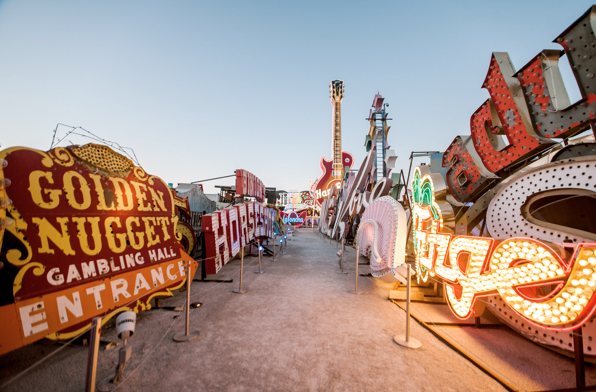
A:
[261,270]
[406,340]
[341,263]
[357,258]
[95,335]
[189,335]
[580,369]
[409,171]
[408,305]
[239,290]
[274,241]
[187,298]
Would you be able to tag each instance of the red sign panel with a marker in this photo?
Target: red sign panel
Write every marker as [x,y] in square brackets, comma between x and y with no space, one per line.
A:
[229,230]
[247,184]
[84,217]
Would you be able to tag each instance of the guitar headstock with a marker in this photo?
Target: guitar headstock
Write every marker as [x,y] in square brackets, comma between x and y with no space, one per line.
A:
[336,90]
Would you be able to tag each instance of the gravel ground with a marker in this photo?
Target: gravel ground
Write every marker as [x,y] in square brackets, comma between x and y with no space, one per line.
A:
[529,366]
[296,329]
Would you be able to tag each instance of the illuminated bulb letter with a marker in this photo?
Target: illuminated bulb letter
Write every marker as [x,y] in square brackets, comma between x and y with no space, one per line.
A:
[568,289]
[467,256]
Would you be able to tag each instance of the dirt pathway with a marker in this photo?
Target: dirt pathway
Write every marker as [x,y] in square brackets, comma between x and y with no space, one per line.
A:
[296,329]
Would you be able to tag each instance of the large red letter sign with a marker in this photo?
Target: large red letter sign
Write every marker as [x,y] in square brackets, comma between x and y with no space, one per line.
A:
[467,177]
[505,113]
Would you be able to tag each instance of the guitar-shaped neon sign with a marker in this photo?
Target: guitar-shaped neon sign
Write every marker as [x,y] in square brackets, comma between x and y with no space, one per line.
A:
[333,169]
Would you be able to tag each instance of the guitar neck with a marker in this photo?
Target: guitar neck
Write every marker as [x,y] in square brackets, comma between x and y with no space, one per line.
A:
[337,166]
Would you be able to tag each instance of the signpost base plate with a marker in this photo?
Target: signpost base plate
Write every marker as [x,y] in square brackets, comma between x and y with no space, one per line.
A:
[412,343]
[356,292]
[183,337]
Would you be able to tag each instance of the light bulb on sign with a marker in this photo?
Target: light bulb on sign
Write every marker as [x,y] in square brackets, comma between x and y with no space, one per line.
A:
[6,222]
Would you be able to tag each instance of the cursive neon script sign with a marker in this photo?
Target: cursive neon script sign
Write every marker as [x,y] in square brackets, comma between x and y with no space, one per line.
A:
[531,276]
[293,218]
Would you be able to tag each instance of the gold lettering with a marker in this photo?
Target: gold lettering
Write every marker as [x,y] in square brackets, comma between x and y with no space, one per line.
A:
[82,234]
[136,244]
[158,201]
[165,221]
[69,188]
[100,195]
[35,190]
[149,230]
[49,232]
[141,195]
[119,184]
[110,235]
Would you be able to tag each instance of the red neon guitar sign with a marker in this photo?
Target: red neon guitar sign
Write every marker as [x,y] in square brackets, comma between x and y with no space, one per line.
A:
[333,170]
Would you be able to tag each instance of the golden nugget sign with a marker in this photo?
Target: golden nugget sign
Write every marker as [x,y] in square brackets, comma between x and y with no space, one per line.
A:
[91,234]
[540,281]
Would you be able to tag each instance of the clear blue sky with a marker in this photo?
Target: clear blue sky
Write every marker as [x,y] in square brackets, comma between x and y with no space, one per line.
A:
[201,88]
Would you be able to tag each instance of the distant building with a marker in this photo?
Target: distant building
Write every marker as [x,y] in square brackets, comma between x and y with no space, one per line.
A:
[199,203]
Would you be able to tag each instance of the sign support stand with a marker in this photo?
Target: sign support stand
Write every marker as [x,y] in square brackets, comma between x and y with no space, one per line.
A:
[95,335]
[189,335]
[341,263]
[578,350]
[239,290]
[357,257]
[261,270]
[406,340]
